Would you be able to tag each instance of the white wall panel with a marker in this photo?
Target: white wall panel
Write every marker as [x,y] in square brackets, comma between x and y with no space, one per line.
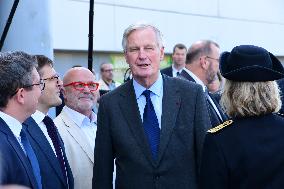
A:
[228,22]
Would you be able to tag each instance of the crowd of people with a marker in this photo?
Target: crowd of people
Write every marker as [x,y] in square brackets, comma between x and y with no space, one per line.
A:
[210,120]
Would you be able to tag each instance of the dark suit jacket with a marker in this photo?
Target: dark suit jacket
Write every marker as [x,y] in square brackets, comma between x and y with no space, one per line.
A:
[214,119]
[168,71]
[244,155]
[14,164]
[121,135]
[51,173]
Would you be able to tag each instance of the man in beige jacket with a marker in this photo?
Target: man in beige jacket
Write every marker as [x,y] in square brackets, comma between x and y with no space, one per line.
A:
[77,123]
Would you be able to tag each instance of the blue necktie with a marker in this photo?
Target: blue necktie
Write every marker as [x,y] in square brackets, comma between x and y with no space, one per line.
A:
[151,125]
[52,133]
[31,156]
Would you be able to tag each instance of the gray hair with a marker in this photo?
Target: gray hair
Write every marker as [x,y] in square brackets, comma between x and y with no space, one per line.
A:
[15,72]
[242,99]
[139,26]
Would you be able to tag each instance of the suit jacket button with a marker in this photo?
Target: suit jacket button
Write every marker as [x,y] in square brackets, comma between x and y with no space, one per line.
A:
[157,177]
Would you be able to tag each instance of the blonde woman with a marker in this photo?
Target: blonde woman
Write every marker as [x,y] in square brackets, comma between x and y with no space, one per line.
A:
[247,151]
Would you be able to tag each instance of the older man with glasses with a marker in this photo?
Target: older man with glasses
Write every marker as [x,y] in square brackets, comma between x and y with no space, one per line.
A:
[201,67]
[45,139]
[77,123]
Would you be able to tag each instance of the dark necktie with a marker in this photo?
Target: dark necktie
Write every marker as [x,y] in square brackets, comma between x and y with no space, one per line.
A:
[52,133]
[151,125]
[178,74]
[31,157]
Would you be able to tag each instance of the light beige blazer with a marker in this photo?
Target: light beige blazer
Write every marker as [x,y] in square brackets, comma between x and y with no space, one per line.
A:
[78,151]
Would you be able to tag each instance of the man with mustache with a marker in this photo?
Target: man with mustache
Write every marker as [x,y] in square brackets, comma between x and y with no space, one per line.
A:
[77,123]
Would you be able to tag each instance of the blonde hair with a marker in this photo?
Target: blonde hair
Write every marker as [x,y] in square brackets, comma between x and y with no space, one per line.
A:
[242,99]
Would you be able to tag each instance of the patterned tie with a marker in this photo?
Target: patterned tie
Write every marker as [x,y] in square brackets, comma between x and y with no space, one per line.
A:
[31,157]
[51,130]
[151,125]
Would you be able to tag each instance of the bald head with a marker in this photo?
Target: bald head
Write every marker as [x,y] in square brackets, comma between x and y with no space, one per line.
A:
[78,99]
[198,49]
[202,59]
[77,74]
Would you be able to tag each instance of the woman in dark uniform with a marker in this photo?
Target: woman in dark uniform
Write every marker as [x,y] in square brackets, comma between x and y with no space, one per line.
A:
[247,151]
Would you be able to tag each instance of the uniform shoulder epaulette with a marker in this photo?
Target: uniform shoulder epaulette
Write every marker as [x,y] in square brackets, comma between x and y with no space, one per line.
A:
[221,126]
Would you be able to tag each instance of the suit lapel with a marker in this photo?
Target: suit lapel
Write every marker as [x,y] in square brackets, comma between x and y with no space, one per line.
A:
[171,71]
[171,104]
[224,116]
[130,110]
[185,75]
[38,136]
[76,133]
[19,151]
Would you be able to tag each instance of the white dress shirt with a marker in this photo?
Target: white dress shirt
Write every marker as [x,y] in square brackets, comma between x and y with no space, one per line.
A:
[87,125]
[175,71]
[38,116]
[14,125]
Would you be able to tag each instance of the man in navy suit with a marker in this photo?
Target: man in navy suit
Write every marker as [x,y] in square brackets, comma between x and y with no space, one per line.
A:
[153,125]
[20,88]
[49,148]
[202,65]
[178,57]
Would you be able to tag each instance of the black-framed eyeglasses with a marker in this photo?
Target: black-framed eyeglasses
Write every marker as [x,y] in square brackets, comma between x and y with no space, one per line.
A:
[217,59]
[80,86]
[41,84]
[52,78]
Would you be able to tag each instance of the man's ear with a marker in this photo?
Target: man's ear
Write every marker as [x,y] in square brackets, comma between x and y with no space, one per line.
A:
[20,96]
[204,62]
[125,56]
[162,53]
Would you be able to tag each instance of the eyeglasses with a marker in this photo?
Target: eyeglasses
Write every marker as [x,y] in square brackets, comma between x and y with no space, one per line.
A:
[80,86]
[217,59]
[41,84]
[53,78]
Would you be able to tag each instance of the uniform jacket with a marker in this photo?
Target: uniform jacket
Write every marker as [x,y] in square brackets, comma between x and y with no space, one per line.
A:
[121,135]
[51,174]
[245,154]
[78,151]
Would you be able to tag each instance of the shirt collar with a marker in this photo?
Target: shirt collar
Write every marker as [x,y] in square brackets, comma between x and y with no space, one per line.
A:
[175,70]
[156,88]
[38,116]
[13,123]
[79,118]
[197,80]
